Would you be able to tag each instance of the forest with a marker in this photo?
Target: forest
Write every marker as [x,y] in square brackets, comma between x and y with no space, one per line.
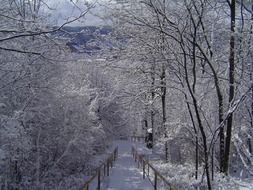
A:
[68,90]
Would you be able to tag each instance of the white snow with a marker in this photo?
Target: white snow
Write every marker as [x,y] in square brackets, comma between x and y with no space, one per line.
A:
[125,175]
[2,105]
[182,176]
[150,130]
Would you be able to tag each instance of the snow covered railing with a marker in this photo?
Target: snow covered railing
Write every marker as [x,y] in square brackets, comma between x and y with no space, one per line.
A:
[149,171]
[102,171]
[137,138]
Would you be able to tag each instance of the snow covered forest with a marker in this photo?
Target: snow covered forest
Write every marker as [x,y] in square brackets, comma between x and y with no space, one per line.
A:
[182,69]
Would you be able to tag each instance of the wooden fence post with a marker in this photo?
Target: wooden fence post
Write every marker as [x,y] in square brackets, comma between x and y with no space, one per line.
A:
[107,164]
[166,151]
[148,170]
[104,170]
[99,180]
[143,168]
[155,182]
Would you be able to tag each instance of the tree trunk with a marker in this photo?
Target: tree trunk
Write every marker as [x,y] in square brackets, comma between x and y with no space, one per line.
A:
[163,97]
[196,140]
[38,159]
[231,86]
[199,122]
[216,83]
[251,79]
[152,107]
[163,76]
[146,124]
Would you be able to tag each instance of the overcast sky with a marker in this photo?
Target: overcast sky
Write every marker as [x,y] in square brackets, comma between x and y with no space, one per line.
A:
[64,9]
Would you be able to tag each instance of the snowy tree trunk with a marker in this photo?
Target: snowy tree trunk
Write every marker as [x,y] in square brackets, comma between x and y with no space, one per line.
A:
[163,97]
[163,75]
[198,117]
[152,107]
[38,159]
[231,85]
[196,139]
[251,79]
[208,58]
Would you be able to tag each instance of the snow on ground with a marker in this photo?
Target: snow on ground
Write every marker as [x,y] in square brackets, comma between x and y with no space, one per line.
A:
[182,176]
[125,175]
[245,185]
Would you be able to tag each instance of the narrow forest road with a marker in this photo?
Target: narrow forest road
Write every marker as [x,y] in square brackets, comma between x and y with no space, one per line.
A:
[125,174]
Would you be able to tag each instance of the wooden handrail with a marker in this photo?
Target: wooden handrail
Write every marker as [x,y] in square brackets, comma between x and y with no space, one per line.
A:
[141,161]
[137,138]
[102,171]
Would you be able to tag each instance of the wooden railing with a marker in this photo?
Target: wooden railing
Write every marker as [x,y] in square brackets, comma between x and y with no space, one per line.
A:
[137,138]
[149,171]
[102,171]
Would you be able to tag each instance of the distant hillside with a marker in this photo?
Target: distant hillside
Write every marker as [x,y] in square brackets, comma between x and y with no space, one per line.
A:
[84,39]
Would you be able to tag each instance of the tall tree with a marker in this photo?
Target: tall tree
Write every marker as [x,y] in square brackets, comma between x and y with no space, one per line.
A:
[232,6]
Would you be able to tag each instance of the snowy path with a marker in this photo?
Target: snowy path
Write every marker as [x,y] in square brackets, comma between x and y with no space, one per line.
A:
[125,174]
